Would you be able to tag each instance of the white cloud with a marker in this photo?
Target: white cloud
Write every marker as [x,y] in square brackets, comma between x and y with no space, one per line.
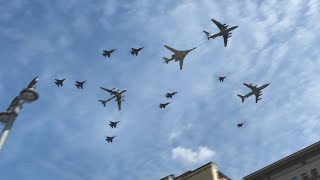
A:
[189,156]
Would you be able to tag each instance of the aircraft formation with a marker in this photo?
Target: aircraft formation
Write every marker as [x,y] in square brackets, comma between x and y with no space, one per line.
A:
[177,56]
[168,95]
[115,94]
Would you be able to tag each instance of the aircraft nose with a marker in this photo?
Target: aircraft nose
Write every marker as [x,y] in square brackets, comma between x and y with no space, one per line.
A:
[267,84]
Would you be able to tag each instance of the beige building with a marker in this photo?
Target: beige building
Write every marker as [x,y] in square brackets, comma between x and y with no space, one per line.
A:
[302,165]
[206,172]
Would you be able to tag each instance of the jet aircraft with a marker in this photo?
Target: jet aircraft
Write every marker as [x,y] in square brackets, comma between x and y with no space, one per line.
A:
[113,124]
[110,139]
[115,94]
[79,84]
[107,53]
[240,125]
[221,78]
[135,51]
[225,31]
[169,95]
[59,82]
[254,91]
[164,105]
[177,56]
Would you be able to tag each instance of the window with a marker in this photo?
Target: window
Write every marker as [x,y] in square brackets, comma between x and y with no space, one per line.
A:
[295,178]
[314,173]
[304,176]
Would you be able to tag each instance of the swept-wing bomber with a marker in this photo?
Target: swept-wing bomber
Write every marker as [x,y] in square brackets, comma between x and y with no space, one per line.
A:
[177,56]
[115,94]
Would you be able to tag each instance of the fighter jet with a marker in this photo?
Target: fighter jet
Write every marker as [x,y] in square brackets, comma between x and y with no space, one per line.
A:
[240,125]
[169,95]
[177,56]
[254,91]
[135,51]
[113,124]
[107,53]
[164,105]
[59,82]
[115,94]
[79,84]
[224,31]
[221,78]
[109,139]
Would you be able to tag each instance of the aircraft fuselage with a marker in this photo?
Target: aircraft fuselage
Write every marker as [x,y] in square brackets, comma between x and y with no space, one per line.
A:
[259,89]
[181,54]
[118,94]
[224,32]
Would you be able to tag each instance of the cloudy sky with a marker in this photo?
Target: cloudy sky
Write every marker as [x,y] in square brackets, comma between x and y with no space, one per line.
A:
[62,135]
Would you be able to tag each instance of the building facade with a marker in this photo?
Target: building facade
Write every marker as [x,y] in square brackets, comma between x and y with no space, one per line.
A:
[302,165]
[206,172]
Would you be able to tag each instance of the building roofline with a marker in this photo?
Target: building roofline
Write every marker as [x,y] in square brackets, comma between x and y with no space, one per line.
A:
[285,160]
[219,172]
[171,175]
[195,170]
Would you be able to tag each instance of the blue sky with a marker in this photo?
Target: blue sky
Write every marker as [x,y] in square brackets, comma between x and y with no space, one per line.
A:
[62,135]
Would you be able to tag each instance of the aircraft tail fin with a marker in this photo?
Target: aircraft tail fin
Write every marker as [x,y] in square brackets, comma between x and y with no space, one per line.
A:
[242,97]
[208,35]
[166,60]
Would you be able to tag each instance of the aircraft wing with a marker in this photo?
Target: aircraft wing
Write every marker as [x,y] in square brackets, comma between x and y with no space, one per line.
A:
[250,86]
[225,38]
[207,33]
[171,49]
[220,26]
[181,63]
[108,90]
[119,103]
[257,94]
[110,98]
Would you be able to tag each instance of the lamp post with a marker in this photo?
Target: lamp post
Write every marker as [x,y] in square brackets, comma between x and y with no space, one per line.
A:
[27,95]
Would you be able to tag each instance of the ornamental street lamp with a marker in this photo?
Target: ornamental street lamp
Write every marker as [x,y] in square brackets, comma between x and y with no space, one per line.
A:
[27,95]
